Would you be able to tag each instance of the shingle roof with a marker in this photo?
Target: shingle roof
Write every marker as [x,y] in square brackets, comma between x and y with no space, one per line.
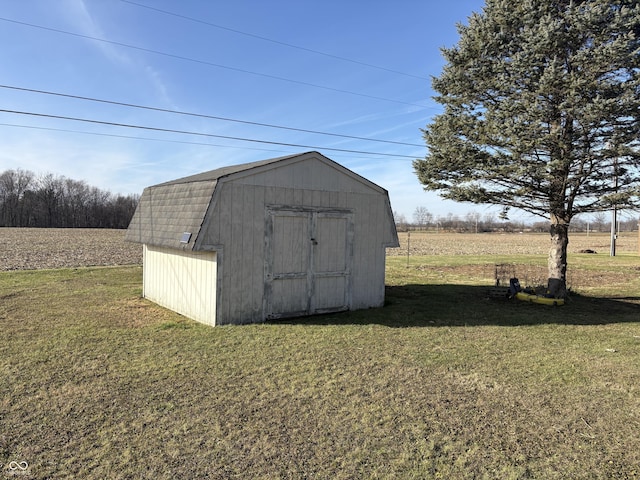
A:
[224,171]
[167,210]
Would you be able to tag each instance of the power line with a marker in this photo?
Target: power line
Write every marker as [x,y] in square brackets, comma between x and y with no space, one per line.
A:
[211,135]
[204,62]
[278,42]
[199,115]
[132,137]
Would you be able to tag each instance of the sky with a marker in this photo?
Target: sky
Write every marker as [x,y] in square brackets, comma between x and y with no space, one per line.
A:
[223,83]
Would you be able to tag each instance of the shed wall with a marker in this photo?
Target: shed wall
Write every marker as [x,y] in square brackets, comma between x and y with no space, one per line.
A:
[182,281]
[237,223]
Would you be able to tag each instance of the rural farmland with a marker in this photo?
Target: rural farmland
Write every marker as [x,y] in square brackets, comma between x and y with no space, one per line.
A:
[38,248]
[35,248]
[442,382]
[497,244]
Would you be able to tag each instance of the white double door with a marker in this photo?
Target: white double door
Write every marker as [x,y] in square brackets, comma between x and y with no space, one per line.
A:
[308,256]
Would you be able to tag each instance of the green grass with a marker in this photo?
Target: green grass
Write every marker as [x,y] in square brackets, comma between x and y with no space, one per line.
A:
[440,383]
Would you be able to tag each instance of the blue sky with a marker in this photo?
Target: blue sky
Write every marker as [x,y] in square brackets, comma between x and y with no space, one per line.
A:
[347,67]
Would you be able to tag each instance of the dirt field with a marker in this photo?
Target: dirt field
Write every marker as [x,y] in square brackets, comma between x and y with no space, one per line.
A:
[38,248]
[431,243]
[35,248]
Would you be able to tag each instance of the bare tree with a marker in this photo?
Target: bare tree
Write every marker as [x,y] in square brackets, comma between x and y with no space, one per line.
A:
[599,222]
[473,221]
[422,217]
[401,221]
[57,201]
[13,186]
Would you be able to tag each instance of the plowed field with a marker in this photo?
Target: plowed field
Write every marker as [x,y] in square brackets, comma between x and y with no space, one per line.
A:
[429,243]
[39,248]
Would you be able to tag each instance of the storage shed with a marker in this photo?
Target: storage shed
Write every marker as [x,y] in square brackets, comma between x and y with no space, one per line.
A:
[285,237]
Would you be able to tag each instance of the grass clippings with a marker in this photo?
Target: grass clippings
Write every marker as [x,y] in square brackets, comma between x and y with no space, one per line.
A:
[440,383]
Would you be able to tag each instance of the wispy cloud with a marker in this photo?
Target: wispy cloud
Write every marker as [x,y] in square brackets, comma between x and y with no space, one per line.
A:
[372,117]
[78,14]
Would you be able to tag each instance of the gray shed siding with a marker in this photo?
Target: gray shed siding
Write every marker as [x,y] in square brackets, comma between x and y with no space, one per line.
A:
[235,225]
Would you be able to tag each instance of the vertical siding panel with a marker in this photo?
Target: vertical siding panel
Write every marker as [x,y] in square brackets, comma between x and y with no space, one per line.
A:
[225,239]
[235,254]
[344,199]
[193,288]
[382,229]
[271,177]
[182,281]
[306,198]
[289,196]
[175,275]
[317,197]
[299,176]
[249,253]
[298,198]
[277,195]
[213,289]
[198,294]
[359,240]
[256,276]
[364,262]
[370,291]
[145,267]
[376,250]
[335,198]
[184,284]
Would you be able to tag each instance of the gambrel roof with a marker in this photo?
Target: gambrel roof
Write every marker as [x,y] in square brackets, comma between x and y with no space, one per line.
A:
[169,210]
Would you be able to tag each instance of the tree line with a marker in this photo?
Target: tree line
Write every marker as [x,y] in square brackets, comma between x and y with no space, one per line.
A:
[48,200]
[474,222]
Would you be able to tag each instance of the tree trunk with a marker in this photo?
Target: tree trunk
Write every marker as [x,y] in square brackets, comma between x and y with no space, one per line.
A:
[557,262]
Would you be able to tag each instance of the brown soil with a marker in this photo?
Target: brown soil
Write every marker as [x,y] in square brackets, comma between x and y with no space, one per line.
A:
[431,243]
[39,248]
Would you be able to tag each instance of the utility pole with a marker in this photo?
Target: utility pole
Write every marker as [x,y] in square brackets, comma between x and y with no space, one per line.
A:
[614,213]
[614,236]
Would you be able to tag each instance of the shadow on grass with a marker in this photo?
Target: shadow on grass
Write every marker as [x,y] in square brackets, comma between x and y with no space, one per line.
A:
[469,305]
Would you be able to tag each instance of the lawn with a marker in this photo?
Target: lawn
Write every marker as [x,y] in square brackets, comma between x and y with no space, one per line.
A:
[440,383]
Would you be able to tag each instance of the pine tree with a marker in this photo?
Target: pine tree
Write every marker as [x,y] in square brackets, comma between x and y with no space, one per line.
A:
[541,113]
